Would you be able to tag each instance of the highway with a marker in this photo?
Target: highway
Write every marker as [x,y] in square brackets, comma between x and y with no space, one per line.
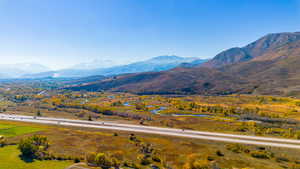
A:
[213,136]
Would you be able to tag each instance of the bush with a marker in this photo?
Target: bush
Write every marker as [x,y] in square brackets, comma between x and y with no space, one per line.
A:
[260,154]
[131,164]
[2,141]
[115,162]
[236,148]
[76,160]
[219,153]
[90,158]
[34,147]
[156,159]
[282,159]
[196,161]
[145,161]
[141,106]
[102,160]
[210,158]
[90,118]
[27,148]
[198,164]
[117,103]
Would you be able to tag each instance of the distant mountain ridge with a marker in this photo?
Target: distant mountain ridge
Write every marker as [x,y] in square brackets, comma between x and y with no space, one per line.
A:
[20,69]
[269,65]
[155,64]
[94,64]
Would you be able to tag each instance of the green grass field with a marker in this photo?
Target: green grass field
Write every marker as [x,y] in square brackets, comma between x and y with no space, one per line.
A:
[9,159]
[10,130]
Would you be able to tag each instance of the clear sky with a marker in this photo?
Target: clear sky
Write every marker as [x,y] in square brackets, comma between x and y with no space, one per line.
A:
[61,33]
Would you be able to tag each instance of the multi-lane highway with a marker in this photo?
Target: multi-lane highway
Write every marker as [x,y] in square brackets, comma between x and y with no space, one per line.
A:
[213,136]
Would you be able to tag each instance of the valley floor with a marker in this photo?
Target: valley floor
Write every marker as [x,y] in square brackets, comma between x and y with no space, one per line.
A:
[267,116]
[76,141]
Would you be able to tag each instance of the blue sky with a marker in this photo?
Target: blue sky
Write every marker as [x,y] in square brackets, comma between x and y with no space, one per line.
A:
[61,33]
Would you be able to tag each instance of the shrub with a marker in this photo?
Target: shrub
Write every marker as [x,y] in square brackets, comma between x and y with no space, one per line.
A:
[282,159]
[38,113]
[236,148]
[146,148]
[141,106]
[117,103]
[102,160]
[90,158]
[219,153]
[196,161]
[115,162]
[90,118]
[260,154]
[2,141]
[156,159]
[210,158]
[131,164]
[145,161]
[34,147]
[201,164]
[76,160]
[133,138]
[27,148]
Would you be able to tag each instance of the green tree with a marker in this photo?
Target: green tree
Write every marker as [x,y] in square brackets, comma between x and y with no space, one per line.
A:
[38,113]
[103,160]
[90,118]
[34,147]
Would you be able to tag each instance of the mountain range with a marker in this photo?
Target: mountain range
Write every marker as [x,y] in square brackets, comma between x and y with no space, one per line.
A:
[269,65]
[20,69]
[155,64]
[94,64]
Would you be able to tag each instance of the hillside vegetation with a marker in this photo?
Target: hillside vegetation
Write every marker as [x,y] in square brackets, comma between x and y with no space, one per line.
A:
[269,65]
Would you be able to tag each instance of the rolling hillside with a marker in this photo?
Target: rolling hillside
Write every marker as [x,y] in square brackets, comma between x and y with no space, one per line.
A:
[269,65]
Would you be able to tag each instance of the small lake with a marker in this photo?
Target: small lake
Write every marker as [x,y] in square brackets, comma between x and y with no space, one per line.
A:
[126,104]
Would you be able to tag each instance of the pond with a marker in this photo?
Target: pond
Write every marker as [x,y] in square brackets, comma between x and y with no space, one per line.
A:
[126,104]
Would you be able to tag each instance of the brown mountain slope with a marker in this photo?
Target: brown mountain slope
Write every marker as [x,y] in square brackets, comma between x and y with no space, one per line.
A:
[270,65]
[254,50]
[276,72]
[176,81]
